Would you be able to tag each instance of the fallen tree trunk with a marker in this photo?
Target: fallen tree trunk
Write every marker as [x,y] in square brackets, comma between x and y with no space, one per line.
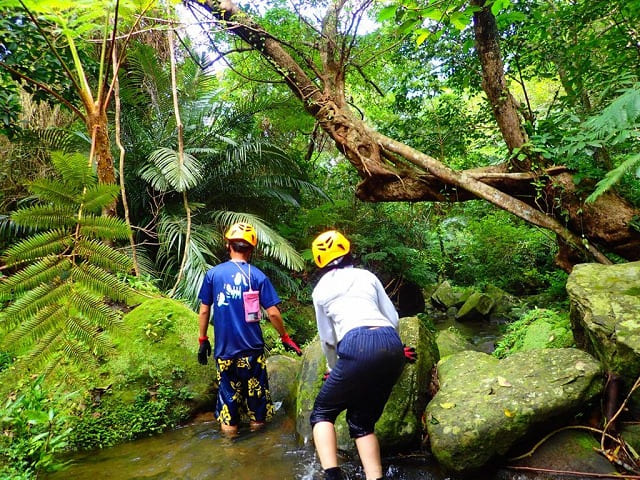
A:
[393,171]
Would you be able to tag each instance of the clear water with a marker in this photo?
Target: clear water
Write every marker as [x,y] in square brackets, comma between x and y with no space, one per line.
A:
[199,451]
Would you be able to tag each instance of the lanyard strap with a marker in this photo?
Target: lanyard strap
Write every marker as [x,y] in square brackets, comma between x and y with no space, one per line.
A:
[244,274]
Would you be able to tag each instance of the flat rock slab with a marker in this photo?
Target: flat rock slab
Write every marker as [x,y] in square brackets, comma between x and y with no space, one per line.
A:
[485,405]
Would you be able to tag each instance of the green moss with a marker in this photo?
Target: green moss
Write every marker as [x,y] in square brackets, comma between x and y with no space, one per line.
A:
[538,328]
[150,382]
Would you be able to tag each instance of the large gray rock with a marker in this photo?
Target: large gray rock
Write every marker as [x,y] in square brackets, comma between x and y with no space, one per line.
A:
[477,307]
[451,340]
[283,374]
[485,405]
[400,424]
[445,296]
[605,314]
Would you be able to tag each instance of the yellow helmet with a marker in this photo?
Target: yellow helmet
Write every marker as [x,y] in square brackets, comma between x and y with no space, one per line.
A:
[328,246]
[242,231]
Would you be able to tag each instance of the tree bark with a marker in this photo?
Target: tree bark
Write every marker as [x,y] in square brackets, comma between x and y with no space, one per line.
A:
[494,83]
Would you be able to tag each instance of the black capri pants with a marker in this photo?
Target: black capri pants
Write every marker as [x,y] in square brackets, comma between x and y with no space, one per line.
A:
[370,360]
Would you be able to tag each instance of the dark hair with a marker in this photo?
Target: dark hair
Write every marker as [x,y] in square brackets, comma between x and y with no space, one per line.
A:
[240,246]
[340,262]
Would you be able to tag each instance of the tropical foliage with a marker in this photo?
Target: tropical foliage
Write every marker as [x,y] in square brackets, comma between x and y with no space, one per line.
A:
[65,272]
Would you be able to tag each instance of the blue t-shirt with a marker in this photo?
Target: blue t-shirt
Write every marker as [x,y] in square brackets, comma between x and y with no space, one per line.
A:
[222,287]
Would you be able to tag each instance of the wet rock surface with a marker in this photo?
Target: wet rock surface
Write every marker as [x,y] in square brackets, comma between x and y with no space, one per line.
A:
[485,405]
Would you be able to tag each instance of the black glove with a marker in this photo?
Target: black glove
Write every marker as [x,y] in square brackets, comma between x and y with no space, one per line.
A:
[410,354]
[204,351]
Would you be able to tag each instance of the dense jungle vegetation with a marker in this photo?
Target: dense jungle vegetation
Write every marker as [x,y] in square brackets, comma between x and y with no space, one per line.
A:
[479,142]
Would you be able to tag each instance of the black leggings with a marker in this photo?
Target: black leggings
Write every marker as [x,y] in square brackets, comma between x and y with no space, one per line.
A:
[370,360]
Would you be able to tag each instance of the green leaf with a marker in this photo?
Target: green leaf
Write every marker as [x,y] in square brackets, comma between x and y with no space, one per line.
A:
[387,12]
[499,5]
[422,37]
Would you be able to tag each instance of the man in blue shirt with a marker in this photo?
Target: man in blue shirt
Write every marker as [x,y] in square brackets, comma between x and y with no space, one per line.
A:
[237,290]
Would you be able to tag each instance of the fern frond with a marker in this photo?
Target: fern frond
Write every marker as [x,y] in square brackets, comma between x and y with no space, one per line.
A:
[52,138]
[44,216]
[109,228]
[103,255]
[92,307]
[43,271]
[74,169]
[100,281]
[38,246]
[32,301]
[86,334]
[45,348]
[78,353]
[29,331]
[55,191]
[613,177]
[179,177]
[100,196]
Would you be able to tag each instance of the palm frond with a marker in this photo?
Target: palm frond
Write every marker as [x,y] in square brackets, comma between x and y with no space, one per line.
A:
[179,177]
[270,242]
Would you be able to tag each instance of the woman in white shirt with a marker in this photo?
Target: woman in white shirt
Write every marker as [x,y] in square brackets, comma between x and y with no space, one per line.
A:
[357,325]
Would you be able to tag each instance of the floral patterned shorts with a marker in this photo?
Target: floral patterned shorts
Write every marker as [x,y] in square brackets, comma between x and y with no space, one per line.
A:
[243,390]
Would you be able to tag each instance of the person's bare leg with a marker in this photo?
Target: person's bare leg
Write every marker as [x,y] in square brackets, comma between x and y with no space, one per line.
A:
[369,451]
[229,430]
[255,426]
[324,438]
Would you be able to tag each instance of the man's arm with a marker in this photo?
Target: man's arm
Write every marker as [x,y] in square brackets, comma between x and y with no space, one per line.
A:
[276,319]
[203,319]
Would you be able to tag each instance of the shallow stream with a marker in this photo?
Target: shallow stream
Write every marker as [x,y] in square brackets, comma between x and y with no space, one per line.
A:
[199,451]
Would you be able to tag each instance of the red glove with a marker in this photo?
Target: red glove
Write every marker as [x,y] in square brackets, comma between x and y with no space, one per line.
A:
[410,354]
[325,375]
[290,344]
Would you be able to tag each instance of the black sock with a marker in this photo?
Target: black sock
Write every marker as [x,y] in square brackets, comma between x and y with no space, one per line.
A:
[333,473]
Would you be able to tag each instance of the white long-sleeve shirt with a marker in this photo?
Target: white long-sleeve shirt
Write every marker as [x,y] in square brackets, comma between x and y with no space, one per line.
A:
[348,298]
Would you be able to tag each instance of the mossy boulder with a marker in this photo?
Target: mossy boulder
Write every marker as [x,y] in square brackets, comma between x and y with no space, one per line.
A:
[446,296]
[451,340]
[568,451]
[485,405]
[538,328]
[400,424]
[605,314]
[283,374]
[476,307]
[309,383]
[149,383]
